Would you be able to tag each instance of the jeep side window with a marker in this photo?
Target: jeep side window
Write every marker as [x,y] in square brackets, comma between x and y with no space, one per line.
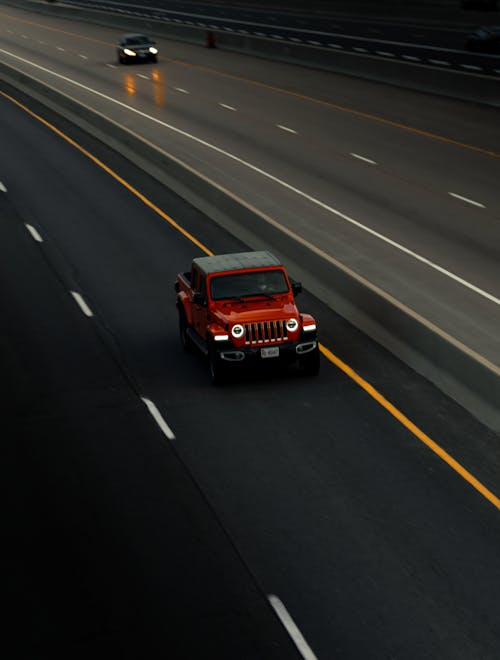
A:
[195,280]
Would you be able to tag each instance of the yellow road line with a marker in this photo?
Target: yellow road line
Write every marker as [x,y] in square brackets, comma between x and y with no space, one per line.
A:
[297,95]
[115,176]
[341,108]
[418,433]
[369,389]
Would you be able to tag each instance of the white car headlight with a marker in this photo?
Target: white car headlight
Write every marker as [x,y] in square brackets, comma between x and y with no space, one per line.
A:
[237,331]
[292,325]
[129,52]
[153,50]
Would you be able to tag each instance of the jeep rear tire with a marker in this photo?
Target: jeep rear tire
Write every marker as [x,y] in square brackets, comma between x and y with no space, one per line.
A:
[183,336]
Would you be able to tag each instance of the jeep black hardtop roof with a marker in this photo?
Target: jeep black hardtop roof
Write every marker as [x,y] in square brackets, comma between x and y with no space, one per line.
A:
[235,261]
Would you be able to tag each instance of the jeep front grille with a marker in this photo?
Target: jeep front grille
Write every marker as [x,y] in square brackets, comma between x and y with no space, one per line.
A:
[265,332]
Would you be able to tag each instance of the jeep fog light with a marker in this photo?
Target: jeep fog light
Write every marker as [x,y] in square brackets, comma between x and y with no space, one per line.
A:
[309,328]
[292,325]
[237,331]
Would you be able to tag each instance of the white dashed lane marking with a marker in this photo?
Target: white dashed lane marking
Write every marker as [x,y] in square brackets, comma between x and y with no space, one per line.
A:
[440,62]
[84,57]
[156,415]
[227,107]
[141,75]
[471,67]
[2,187]
[285,128]
[466,199]
[291,627]
[34,233]
[82,304]
[363,158]
[182,91]
[384,53]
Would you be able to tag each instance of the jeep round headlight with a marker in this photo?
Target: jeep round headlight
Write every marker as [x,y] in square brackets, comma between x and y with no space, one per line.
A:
[292,325]
[237,331]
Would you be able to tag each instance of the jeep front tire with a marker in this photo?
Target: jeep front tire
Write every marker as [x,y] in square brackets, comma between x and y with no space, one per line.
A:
[218,372]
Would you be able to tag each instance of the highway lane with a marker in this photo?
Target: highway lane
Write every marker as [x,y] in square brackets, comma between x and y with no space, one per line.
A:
[109,546]
[375,545]
[419,171]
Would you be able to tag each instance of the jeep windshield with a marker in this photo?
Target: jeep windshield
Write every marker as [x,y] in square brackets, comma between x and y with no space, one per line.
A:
[248,285]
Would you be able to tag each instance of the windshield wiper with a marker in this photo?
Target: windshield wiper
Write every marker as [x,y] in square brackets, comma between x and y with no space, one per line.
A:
[260,295]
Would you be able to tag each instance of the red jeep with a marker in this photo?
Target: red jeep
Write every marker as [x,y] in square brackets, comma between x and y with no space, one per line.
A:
[239,309]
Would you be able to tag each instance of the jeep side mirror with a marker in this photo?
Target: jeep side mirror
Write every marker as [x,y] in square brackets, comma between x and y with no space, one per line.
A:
[198,298]
[296,288]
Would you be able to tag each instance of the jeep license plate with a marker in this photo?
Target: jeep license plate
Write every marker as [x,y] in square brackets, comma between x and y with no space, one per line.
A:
[272,351]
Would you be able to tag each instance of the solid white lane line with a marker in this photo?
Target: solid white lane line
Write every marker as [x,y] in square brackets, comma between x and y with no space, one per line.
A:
[291,627]
[34,233]
[2,187]
[155,413]
[227,107]
[82,304]
[270,177]
[366,160]
[466,199]
[182,91]
[285,128]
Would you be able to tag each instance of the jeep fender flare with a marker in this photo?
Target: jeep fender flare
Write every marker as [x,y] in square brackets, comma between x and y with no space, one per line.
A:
[184,305]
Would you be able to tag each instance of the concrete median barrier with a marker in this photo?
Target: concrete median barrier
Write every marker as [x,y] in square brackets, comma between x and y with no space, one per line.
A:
[459,372]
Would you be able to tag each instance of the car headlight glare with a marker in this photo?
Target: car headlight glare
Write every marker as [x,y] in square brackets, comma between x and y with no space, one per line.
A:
[129,52]
[237,331]
[153,50]
[292,325]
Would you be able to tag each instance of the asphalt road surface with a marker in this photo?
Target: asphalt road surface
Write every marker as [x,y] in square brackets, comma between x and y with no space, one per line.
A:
[398,186]
[125,541]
